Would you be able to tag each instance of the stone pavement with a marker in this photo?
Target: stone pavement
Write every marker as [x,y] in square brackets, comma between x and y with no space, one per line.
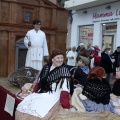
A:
[8,86]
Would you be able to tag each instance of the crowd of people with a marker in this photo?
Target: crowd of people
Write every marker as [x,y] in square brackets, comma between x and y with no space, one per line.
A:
[75,82]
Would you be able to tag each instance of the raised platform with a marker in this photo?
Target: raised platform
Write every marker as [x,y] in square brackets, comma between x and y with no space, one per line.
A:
[7,88]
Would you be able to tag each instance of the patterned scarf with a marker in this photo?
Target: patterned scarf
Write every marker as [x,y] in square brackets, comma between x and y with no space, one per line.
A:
[47,77]
[85,69]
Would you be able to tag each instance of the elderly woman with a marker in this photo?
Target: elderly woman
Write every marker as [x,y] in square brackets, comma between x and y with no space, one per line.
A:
[53,91]
[95,95]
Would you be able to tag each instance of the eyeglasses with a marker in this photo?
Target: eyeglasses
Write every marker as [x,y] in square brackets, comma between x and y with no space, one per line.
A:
[38,24]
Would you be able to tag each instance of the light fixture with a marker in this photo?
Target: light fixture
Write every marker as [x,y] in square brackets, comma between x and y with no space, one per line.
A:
[108,7]
[85,11]
[104,24]
[73,11]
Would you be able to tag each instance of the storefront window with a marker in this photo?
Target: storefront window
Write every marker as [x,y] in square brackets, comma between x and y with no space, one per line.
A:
[86,34]
[109,35]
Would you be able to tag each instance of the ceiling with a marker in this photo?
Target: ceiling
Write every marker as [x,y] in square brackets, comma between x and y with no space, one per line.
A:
[83,4]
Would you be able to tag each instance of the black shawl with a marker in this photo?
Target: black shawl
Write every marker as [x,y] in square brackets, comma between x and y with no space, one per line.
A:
[47,78]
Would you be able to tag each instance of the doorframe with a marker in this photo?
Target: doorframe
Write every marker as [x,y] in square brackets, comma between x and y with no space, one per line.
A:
[114,39]
[19,45]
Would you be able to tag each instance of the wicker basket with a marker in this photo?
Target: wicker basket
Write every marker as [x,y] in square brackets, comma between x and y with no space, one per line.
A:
[23,75]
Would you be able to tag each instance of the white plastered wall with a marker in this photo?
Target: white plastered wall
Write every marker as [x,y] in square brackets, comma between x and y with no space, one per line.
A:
[81,19]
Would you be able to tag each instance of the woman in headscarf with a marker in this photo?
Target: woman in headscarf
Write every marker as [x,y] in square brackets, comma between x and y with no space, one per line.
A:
[95,95]
[53,91]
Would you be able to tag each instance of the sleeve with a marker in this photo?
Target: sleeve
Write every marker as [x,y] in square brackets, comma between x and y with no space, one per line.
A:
[35,83]
[77,73]
[114,54]
[45,47]
[26,39]
[35,87]
[65,96]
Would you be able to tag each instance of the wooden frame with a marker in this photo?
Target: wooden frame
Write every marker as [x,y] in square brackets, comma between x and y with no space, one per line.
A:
[13,27]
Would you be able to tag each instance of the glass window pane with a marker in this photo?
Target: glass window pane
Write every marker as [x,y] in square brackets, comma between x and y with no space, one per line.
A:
[86,34]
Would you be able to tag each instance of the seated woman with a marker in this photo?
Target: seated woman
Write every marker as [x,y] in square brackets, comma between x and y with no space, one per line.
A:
[53,91]
[115,95]
[95,95]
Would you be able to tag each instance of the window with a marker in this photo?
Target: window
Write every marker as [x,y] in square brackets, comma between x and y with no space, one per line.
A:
[86,34]
[109,35]
[27,16]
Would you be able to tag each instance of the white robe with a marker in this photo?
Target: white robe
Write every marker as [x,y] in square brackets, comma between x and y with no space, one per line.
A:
[37,50]
[71,62]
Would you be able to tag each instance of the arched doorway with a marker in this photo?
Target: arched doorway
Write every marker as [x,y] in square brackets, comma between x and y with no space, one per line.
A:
[21,52]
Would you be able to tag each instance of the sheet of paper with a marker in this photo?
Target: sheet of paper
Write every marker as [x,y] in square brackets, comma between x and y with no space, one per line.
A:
[9,105]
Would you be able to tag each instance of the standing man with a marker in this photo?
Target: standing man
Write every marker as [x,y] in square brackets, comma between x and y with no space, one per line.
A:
[71,56]
[35,41]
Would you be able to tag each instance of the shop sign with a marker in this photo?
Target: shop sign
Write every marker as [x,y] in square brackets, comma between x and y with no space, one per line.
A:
[106,16]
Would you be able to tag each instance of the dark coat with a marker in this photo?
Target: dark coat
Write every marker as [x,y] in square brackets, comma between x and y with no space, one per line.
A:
[116,54]
[78,48]
[106,63]
[80,76]
[83,52]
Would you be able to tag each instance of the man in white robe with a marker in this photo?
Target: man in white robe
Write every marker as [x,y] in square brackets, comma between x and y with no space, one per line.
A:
[35,41]
[71,56]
